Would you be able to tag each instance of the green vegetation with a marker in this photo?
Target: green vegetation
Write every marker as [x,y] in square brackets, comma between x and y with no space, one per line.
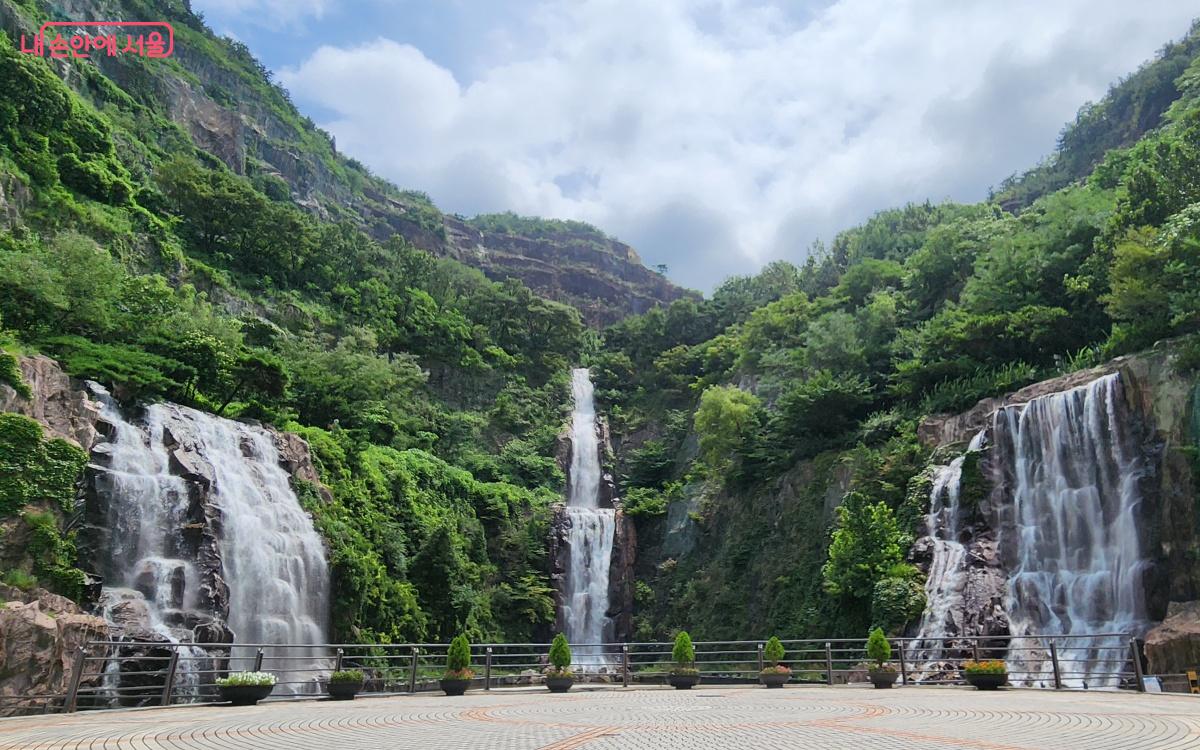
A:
[773,652]
[247,679]
[683,654]
[458,659]
[783,411]
[878,648]
[353,676]
[37,486]
[432,396]
[560,655]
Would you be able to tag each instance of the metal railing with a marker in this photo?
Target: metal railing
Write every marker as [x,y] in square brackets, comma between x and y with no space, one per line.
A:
[117,674]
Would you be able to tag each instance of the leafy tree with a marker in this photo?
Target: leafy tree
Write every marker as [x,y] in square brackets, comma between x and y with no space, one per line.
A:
[865,546]
[725,421]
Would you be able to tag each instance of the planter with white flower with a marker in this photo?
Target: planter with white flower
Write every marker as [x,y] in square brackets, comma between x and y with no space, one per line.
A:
[246,688]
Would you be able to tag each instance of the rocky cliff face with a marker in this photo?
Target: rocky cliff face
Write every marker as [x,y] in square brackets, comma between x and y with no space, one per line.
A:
[40,634]
[1162,404]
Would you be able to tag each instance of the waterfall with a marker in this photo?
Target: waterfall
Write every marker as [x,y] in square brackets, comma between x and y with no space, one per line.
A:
[1073,530]
[270,556]
[590,531]
[946,580]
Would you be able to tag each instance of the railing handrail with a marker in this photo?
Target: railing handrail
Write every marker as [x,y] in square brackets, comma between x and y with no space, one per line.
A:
[174,675]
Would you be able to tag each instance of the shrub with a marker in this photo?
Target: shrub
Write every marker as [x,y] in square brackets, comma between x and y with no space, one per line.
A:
[560,654]
[458,659]
[347,675]
[683,653]
[987,666]
[244,679]
[774,652]
[878,648]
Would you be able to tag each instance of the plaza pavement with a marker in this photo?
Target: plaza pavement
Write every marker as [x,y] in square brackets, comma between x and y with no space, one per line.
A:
[829,718]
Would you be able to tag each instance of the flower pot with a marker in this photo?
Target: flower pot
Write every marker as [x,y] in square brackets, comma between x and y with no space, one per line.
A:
[774,679]
[245,695]
[343,691]
[559,684]
[454,686]
[683,681]
[883,678]
[987,681]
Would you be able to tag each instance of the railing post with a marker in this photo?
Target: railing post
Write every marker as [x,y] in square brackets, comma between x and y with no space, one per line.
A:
[1137,665]
[412,673]
[903,665]
[1054,664]
[487,669]
[975,649]
[76,676]
[258,660]
[829,662]
[171,668]
[760,657]
[625,665]
[337,664]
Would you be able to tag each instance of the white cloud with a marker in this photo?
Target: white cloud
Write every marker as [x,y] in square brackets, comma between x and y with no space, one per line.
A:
[716,136]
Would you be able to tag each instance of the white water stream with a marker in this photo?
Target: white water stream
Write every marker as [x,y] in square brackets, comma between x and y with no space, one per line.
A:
[590,532]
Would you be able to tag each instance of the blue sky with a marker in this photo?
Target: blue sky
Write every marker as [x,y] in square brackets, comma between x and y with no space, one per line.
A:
[713,135]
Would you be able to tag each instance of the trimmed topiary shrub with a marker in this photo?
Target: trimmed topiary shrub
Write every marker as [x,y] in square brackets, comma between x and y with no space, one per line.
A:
[684,655]
[560,655]
[878,649]
[458,659]
[773,653]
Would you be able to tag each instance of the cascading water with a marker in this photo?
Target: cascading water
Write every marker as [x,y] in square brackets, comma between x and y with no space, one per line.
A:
[945,582]
[272,559]
[146,561]
[1074,530]
[590,532]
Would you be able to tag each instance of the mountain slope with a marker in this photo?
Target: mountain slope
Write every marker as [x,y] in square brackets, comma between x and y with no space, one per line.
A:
[224,100]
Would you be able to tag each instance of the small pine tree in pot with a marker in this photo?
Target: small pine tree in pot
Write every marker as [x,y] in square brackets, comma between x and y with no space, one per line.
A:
[684,673]
[457,677]
[559,677]
[882,674]
[774,674]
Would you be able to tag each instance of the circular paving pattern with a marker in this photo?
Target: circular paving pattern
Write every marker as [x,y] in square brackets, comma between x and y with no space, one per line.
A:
[661,719]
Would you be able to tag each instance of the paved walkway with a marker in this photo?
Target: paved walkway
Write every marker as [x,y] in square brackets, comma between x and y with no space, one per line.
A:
[796,717]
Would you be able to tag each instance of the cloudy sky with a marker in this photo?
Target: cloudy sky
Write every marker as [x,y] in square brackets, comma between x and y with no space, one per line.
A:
[713,135]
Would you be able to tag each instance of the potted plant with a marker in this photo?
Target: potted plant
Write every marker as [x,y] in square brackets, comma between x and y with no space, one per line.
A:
[774,675]
[559,677]
[457,677]
[684,673]
[346,684]
[989,674]
[882,674]
[246,688]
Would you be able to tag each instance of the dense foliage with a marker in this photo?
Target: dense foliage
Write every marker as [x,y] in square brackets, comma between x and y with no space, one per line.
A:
[878,648]
[37,492]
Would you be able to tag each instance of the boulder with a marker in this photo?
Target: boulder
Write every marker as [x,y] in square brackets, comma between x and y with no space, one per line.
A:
[1173,646]
[40,634]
